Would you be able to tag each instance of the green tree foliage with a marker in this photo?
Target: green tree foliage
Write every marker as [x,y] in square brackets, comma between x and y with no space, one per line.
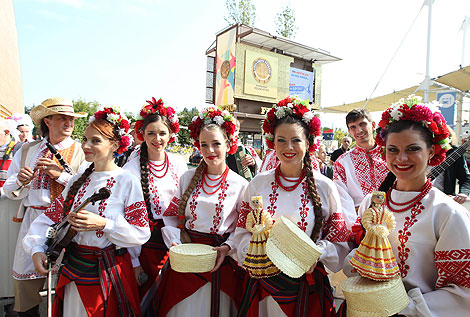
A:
[339,135]
[240,11]
[285,22]
[81,123]
[185,118]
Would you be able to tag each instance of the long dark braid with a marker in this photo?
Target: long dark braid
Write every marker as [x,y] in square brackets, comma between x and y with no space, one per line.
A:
[144,179]
[75,187]
[185,197]
[314,196]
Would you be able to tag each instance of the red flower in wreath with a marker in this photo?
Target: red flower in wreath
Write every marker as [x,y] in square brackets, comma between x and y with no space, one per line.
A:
[156,107]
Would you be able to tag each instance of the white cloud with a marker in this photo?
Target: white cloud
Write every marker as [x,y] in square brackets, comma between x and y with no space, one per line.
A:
[52,15]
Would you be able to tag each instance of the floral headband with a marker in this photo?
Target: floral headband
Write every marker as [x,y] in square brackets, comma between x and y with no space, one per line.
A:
[412,109]
[120,122]
[297,109]
[222,118]
[157,107]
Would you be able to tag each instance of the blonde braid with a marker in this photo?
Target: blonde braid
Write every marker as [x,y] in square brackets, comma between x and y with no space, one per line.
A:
[314,196]
[184,201]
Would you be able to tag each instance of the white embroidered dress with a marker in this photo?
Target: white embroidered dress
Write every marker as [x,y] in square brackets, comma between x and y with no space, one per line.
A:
[35,194]
[126,221]
[431,243]
[296,206]
[216,214]
[161,190]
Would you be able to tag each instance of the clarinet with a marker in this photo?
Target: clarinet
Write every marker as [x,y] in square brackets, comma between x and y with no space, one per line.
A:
[59,157]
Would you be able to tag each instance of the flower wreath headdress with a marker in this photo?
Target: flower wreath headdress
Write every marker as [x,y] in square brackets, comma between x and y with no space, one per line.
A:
[298,109]
[156,107]
[412,109]
[121,124]
[222,118]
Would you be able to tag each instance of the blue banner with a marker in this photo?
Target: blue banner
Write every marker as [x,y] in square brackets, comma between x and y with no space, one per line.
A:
[301,84]
[447,105]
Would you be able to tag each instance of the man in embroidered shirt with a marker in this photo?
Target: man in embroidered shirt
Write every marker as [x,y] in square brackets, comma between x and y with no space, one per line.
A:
[361,170]
[43,179]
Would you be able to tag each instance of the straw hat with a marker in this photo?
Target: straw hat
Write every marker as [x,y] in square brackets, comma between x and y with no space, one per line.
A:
[192,258]
[54,106]
[366,297]
[291,249]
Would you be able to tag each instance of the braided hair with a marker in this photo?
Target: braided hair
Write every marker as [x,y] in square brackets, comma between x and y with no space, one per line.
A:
[144,159]
[311,185]
[192,184]
[109,131]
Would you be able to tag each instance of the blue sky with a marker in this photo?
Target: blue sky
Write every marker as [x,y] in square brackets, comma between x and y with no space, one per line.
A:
[123,52]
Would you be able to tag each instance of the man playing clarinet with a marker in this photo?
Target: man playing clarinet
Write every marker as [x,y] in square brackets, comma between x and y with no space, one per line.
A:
[37,176]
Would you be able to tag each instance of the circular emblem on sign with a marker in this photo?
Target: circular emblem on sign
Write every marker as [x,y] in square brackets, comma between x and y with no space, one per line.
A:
[261,70]
[447,100]
[225,69]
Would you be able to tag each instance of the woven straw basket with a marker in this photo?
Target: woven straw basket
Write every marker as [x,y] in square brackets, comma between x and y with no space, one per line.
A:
[368,298]
[291,249]
[192,258]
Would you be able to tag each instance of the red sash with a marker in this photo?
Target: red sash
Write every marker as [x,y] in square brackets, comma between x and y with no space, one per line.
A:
[105,281]
[175,286]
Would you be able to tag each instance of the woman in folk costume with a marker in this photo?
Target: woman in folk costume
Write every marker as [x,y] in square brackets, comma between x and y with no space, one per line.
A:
[159,174]
[205,208]
[310,200]
[97,278]
[431,241]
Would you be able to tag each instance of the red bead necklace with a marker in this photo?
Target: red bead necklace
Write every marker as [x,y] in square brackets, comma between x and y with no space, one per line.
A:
[157,168]
[410,203]
[221,180]
[278,175]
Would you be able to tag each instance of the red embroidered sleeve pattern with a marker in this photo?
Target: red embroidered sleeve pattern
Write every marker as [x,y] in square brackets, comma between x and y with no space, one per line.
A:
[136,214]
[339,173]
[55,210]
[453,267]
[245,209]
[335,229]
[304,209]
[172,209]
[193,205]
[218,209]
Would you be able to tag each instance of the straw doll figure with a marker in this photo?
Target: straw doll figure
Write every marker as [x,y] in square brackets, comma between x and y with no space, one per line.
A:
[259,223]
[374,257]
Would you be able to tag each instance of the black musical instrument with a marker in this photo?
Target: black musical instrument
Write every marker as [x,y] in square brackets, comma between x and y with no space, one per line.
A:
[59,158]
[450,159]
[60,234]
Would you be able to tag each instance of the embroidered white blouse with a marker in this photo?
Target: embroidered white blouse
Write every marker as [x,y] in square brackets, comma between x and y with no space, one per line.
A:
[296,206]
[431,243]
[216,213]
[127,221]
[161,189]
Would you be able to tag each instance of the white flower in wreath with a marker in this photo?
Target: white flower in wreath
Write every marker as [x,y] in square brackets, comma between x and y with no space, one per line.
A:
[122,131]
[112,117]
[269,136]
[396,114]
[201,116]
[194,118]
[219,120]
[280,113]
[207,121]
[308,116]
[290,105]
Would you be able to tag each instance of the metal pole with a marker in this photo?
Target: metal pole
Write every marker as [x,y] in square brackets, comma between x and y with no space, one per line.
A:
[464,27]
[49,288]
[427,79]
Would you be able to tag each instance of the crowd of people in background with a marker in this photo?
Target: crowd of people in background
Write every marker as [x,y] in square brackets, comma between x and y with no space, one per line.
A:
[148,201]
